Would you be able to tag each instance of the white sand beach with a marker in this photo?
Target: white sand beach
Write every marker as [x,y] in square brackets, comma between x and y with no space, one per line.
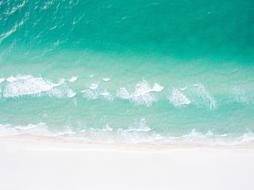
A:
[43,164]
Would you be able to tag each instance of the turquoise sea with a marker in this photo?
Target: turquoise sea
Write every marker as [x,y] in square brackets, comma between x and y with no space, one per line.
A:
[135,71]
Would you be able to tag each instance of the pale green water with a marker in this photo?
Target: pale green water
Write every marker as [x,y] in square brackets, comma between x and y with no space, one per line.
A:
[132,71]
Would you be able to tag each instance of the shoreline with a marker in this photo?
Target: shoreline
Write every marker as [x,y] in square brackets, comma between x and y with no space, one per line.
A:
[37,163]
[74,143]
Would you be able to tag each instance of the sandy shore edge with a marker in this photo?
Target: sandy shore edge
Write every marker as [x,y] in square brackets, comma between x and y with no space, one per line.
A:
[44,163]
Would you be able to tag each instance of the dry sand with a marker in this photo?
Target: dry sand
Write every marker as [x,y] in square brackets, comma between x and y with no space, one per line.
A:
[42,164]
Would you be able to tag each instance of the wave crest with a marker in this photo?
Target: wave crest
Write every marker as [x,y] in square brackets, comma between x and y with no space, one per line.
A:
[23,85]
[140,132]
[178,99]
[143,93]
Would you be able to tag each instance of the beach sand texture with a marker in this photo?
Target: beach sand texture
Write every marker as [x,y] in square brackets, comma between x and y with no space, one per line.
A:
[43,165]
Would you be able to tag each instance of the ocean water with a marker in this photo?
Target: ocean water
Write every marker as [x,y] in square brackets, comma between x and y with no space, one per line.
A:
[158,72]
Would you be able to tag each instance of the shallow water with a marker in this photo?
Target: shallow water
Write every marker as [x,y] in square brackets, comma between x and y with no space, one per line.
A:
[136,71]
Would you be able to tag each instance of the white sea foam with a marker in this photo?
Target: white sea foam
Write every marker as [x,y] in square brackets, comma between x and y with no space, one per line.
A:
[70,93]
[26,85]
[157,87]
[106,79]
[53,93]
[107,128]
[140,126]
[40,129]
[143,93]
[209,138]
[94,86]
[140,132]
[11,79]
[22,85]
[196,137]
[241,95]
[2,80]
[60,82]
[90,94]
[247,137]
[106,95]
[123,93]
[73,79]
[205,96]
[94,92]
[178,99]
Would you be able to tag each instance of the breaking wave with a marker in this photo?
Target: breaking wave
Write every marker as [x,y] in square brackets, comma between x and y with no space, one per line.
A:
[178,99]
[143,93]
[24,85]
[100,66]
[139,133]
